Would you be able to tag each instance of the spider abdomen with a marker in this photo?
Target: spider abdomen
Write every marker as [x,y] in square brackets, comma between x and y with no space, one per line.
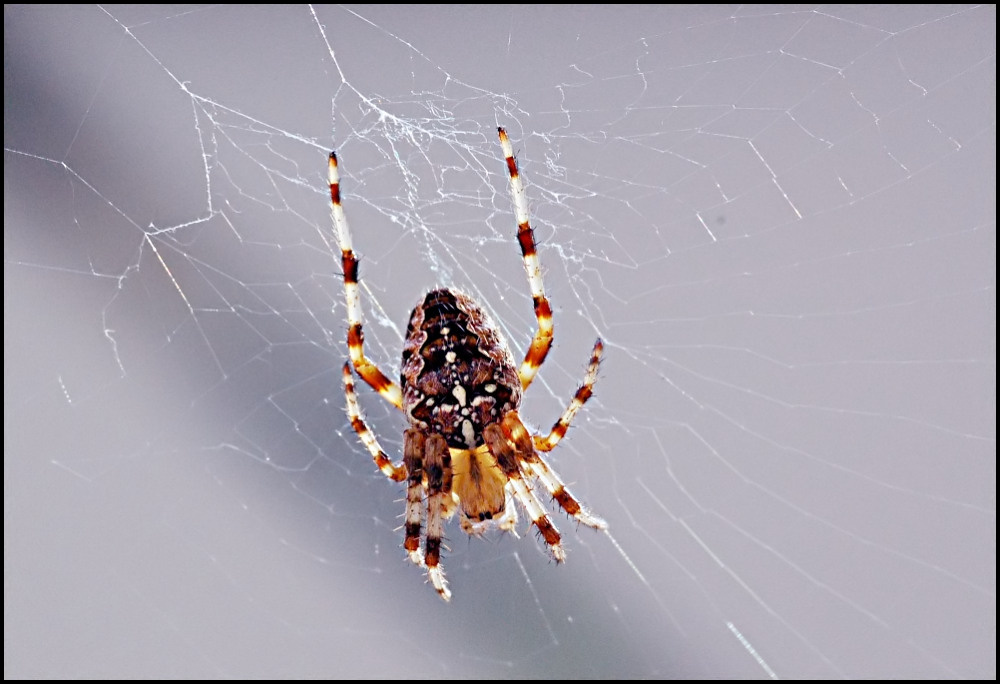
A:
[458,374]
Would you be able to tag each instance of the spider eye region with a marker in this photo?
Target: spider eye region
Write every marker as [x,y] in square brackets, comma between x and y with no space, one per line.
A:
[458,375]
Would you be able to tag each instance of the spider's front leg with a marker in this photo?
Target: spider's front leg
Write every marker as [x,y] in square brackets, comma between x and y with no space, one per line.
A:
[368,371]
[542,341]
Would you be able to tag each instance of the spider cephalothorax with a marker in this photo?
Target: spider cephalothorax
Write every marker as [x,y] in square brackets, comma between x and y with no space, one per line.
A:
[460,389]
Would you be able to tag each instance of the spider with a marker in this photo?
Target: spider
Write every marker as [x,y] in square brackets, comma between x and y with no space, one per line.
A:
[466,447]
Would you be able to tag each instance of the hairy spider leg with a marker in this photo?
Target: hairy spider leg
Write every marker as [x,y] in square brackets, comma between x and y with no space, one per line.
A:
[542,341]
[391,470]
[368,371]
[583,393]
[536,465]
[507,457]
[413,459]
[437,468]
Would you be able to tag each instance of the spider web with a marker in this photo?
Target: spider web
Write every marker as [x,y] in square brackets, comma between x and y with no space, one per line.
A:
[780,220]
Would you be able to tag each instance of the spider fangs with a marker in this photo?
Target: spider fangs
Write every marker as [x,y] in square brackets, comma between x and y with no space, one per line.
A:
[466,447]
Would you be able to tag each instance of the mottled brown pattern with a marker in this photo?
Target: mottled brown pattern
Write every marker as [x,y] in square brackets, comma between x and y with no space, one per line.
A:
[456,368]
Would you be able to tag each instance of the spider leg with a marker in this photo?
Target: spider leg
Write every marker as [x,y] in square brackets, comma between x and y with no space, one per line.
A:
[583,393]
[543,471]
[505,522]
[391,470]
[413,459]
[542,341]
[508,521]
[368,371]
[504,451]
[539,468]
[437,467]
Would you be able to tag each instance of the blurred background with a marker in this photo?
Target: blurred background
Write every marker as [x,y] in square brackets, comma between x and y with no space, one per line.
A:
[781,220]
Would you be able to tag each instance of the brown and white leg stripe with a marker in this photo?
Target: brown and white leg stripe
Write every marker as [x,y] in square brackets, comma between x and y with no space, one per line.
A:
[583,393]
[543,471]
[542,341]
[537,466]
[437,467]
[413,457]
[391,470]
[504,453]
[368,371]
[538,516]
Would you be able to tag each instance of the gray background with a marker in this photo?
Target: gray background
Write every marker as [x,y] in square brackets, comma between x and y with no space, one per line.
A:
[781,221]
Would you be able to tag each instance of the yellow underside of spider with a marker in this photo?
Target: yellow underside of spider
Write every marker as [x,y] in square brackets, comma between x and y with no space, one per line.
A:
[478,486]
